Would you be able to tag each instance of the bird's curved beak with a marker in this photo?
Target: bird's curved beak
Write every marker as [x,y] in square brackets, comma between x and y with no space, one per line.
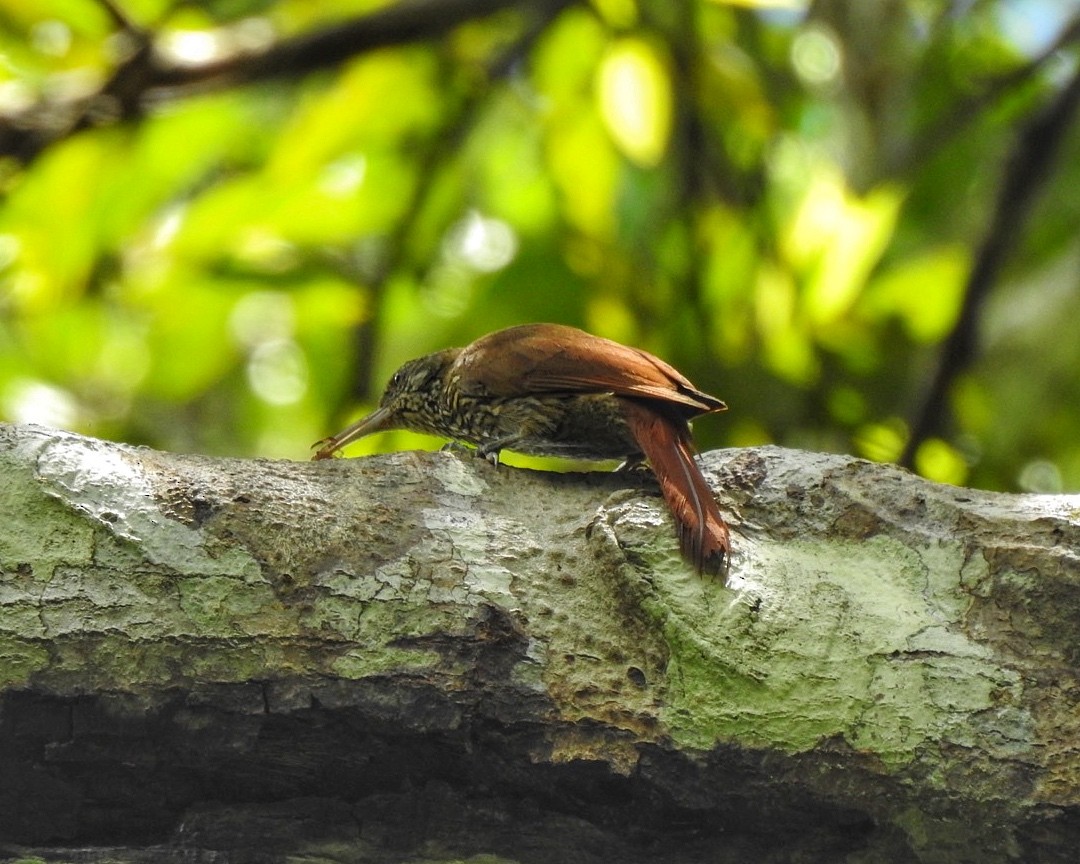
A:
[379,420]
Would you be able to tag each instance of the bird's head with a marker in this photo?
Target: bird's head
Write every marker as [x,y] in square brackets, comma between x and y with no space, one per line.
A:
[411,401]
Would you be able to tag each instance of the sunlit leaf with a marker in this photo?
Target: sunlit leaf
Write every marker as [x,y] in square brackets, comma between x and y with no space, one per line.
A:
[881,442]
[352,114]
[938,460]
[506,155]
[189,341]
[924,292]
[53,221]
[836,238]
[617,13]
[565,61]
[787,348]
[588,185]
[634,90]
[764,4]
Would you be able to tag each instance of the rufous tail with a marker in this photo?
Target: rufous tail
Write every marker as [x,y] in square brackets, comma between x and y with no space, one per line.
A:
[666,443]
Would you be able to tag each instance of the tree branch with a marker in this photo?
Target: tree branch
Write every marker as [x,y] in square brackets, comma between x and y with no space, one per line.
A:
[148,75]
[1026,172]
[424,656]
[960,116]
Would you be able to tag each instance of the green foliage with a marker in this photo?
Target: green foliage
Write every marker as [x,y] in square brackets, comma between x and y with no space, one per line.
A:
[785,204]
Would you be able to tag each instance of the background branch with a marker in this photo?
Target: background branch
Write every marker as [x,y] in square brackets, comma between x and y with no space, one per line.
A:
[961,115]
[147,75]
[1026,172]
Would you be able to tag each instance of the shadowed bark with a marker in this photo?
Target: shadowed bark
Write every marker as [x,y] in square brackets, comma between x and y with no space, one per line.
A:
[422,657]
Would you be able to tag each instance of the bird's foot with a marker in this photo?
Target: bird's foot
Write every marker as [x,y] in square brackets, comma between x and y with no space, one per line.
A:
[491,454]
[457,447]
[327,448]
[635,464]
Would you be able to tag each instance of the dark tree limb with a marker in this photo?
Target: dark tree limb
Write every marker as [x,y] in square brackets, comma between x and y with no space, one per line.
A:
[1026,172]
[146,75]
[960,116]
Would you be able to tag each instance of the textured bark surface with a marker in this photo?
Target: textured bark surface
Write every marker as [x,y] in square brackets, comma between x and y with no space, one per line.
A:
[420,657]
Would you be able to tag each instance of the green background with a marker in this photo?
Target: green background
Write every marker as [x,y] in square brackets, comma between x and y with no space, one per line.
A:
[784,202]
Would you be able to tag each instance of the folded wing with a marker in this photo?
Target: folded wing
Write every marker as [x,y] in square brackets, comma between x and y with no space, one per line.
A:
[553,358]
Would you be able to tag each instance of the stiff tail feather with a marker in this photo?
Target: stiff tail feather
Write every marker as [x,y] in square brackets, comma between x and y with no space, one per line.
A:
[666,443]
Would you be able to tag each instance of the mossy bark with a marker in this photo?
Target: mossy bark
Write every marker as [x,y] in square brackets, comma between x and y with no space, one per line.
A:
[423,657]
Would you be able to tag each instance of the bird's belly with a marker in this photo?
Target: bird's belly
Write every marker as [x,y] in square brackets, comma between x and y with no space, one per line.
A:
[575,426]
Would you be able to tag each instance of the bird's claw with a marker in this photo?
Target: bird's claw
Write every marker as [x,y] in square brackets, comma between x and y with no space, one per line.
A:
[326,450]
[491,456]
[631,465]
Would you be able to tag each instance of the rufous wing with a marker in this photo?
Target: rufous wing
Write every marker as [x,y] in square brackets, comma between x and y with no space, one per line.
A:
[547,358]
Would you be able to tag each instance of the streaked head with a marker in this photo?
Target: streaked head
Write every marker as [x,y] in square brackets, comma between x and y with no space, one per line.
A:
[410,401]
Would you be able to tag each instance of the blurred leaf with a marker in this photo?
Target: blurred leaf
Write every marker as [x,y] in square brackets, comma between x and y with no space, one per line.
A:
[587,185]
[835,238]
[881,441]
[787,348]
[764,4]
[938,460]
[634,89]
[53,221]
[189,340]
[924,292]
[507,159]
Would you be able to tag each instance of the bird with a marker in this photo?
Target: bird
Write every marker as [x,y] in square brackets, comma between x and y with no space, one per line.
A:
[554,390]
